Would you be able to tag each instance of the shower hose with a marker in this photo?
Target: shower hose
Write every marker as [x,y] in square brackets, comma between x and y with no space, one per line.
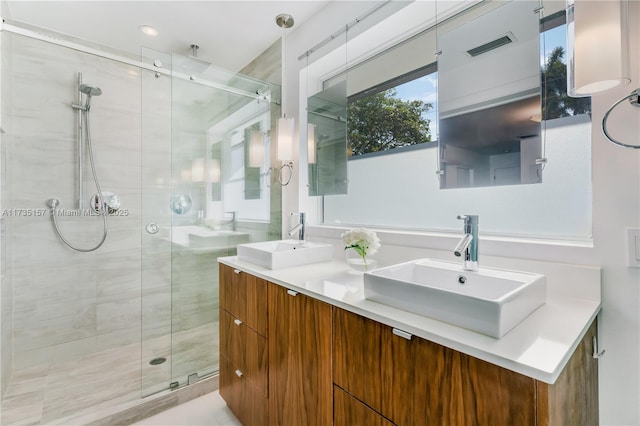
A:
[53,203]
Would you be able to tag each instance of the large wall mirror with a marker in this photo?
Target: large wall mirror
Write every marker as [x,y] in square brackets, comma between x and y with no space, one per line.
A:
[489,95]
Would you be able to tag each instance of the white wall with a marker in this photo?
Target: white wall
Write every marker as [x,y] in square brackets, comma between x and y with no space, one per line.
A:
[616,206]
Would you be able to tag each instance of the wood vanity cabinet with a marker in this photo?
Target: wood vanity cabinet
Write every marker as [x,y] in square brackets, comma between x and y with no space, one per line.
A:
[289,359]
[417,382]
[243,345]
[300,384]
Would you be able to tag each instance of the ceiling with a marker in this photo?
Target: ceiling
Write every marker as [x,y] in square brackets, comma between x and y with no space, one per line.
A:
[230,33]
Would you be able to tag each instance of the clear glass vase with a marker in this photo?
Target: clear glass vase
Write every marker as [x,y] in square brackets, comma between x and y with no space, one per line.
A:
[359,264]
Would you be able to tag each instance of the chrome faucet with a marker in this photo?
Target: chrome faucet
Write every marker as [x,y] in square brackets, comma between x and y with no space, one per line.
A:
[467,248]
[299,228]
[232,220]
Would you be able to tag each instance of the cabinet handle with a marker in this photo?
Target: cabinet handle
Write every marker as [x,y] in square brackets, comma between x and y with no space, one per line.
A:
[237,321]
[238,373]
[402,334]
[292,293]
[237,271]
[596,353]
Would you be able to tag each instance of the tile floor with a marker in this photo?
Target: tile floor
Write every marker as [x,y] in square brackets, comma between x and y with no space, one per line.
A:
[207,410]
[74,391]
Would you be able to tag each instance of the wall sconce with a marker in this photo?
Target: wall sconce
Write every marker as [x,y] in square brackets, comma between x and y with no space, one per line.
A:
[598,52]
[311,143]
[285,138]
[256,150]
[197,170]
[214,171]
[597,45]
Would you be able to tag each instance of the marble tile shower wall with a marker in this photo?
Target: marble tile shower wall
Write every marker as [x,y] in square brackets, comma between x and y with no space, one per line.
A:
[66,303]
[6,288]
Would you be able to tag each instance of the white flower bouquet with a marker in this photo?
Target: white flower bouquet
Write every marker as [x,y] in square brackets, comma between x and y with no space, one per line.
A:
[364,241]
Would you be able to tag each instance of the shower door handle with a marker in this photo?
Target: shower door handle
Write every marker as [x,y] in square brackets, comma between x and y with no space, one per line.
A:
[152,228]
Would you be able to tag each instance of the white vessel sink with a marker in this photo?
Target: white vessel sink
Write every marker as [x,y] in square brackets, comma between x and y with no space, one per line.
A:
[490,301]
[284,253]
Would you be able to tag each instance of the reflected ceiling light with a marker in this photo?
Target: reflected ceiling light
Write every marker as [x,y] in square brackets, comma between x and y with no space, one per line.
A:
[148,30]
[311,143]
[256,150]
[597,46]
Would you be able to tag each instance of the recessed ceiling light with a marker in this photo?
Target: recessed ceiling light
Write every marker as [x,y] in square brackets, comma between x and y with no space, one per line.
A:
[148,30]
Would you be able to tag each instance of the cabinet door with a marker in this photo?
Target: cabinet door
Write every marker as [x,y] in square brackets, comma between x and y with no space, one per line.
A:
[375,365]
[300,386]
[348,411]
[573,398]
[472,391]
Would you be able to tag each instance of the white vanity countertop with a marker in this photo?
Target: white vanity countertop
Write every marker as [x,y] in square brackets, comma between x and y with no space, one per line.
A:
[539,347]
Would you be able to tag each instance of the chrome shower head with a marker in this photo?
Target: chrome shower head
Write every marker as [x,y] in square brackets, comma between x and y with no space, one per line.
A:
[89,90]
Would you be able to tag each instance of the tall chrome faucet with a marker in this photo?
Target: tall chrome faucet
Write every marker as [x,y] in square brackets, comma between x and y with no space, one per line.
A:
[467,248]
[299,228]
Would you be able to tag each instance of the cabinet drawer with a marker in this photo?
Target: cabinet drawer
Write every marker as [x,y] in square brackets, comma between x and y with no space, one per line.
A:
[348,411]
[245,297]
[233,293]
[232,388]
[412,381]
[233,339]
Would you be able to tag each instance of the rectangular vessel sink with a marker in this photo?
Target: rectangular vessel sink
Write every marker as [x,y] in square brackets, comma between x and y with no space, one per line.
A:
[489,301]
[284,253]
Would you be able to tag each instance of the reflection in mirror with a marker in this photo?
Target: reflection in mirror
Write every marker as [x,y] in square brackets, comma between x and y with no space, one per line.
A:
[181,204]
[489,99]
[251,172]
[215,172]
[327,140]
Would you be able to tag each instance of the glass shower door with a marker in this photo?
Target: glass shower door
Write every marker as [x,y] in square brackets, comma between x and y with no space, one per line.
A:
[205,143]
[155,229]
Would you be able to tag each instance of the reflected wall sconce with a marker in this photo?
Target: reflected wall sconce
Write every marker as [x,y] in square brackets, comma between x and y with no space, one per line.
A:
[598,52]
[197,170]
[256,149]
[285,138]
[311,143]
[597,45]
[285,129]
[214,171]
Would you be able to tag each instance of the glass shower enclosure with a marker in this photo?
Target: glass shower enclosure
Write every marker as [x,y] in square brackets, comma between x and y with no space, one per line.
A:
[186,148]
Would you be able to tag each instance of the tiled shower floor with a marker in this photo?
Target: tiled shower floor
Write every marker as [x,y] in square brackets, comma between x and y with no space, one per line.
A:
[90,387]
